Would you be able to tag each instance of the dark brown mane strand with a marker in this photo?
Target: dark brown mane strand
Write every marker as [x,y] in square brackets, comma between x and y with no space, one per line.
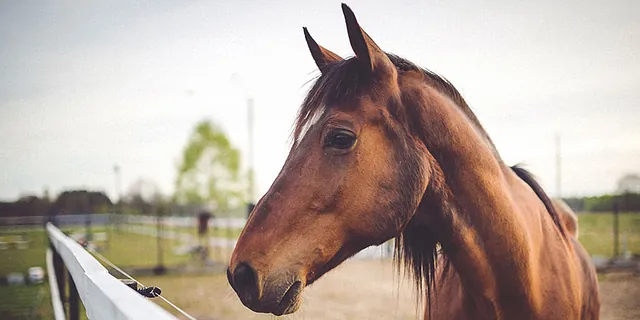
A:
[417,251]
[527,177]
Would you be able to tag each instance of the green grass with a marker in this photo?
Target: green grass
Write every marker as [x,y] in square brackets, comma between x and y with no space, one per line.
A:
[19,260]
[133,250]
[233,233]
[33,301]
[596,232]
[213,232]
[123,248]
[25,302]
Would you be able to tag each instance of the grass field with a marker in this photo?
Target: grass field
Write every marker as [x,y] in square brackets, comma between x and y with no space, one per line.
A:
[145,251]
[199,293]
[133,250]
[213,232]
[124,249]
[596,232]
[19,260]
[25,302]
[232,233]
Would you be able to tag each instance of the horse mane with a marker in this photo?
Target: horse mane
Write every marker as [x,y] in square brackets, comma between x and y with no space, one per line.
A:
[527,177]
[418,250]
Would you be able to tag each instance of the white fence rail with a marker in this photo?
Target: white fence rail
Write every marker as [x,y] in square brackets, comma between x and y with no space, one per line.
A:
[103,296]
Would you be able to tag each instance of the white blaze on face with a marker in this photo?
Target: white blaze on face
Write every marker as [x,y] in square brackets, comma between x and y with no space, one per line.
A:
[315,117]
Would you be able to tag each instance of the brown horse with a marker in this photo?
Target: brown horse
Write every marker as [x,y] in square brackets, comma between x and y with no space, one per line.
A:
[384,149]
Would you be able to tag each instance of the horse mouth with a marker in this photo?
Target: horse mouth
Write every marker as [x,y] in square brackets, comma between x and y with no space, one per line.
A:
[290,301]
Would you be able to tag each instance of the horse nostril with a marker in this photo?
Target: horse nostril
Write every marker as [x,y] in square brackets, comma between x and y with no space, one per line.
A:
[245,282]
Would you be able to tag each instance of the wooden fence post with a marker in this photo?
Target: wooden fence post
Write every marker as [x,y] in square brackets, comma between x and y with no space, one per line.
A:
[74,300]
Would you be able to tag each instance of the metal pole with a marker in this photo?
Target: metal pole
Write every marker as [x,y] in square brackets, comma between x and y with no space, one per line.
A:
[87,219]
[616,227]
[250,155]
[159,269]
[118,191]
[250,119]
[558,167]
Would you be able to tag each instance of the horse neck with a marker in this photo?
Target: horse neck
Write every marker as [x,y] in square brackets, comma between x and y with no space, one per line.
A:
[469,207]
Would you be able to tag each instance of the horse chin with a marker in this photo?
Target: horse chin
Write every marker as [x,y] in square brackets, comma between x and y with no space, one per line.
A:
[291,301]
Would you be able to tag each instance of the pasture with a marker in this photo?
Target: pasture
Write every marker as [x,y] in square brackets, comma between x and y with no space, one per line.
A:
[25,302]
[231,233]
[596,232]
[360,289]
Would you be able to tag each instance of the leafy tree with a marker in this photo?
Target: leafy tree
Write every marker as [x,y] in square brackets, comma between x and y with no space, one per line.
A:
[209,171]
[80,201]
[142,196]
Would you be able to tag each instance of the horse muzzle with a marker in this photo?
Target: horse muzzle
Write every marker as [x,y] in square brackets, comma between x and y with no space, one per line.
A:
[279,293]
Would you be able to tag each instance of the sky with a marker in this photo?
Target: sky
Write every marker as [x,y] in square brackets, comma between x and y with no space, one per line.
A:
[85,85]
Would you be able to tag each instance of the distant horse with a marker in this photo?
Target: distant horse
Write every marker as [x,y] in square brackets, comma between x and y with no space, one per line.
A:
[384,149]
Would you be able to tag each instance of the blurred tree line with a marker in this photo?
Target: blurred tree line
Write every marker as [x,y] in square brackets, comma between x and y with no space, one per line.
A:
[629,202]
[136,201]
[68,202]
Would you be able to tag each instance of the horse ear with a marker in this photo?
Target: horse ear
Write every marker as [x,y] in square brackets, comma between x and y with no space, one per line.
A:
[322,56]
[365,49]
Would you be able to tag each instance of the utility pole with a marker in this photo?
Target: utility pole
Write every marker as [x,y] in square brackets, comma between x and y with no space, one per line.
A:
[250,120]
[558,168]
[159,268]
[116,172]
[616,226]
[88,211]
[118,191]
[251,194]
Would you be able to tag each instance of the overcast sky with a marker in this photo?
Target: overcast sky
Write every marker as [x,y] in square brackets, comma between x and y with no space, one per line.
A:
[87,84]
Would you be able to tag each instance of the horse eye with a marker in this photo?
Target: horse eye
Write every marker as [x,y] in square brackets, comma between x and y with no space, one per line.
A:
[340,139]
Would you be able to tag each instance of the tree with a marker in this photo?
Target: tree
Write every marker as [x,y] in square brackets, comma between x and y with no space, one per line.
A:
[142,196]
[208,173]
[80,201]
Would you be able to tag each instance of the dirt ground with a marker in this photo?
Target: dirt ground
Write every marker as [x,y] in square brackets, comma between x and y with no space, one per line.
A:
[620,296]
[358,289]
